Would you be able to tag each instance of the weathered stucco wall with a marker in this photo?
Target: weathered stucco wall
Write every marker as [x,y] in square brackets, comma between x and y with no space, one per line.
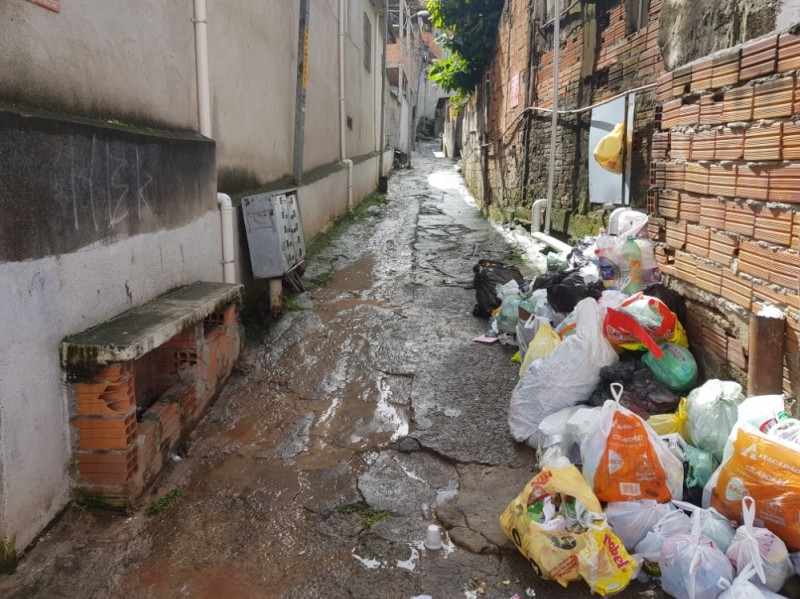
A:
[96,219]
[100,59]
[252,48]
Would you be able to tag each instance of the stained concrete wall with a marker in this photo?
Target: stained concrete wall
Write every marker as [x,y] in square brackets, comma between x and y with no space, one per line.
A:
[252,48]
[102,59]
[96,219]
[48,299]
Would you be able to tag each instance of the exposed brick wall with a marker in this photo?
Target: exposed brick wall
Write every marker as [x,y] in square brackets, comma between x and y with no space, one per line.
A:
[598,59]
[115,456]
[726,184]
[716,157]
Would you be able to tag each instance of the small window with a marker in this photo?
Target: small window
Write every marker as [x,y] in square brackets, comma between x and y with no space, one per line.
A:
[367,44]
[637,12]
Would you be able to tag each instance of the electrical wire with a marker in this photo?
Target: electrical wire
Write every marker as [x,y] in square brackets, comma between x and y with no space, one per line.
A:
[569,111]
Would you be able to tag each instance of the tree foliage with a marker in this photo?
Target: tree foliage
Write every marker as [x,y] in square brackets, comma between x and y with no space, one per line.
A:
[470,28]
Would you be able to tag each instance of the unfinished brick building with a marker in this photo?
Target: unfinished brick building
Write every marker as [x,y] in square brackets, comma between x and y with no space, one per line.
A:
[715,156]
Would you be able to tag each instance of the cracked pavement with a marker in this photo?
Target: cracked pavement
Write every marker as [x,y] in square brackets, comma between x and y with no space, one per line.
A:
[372,393]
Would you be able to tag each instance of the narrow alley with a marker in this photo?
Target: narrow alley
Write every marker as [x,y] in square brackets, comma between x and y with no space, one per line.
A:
[364,415]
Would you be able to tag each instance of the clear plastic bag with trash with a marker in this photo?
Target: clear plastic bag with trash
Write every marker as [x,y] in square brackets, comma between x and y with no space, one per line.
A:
[671,523]
[713,410]
[742,587]
[624,459]
[760,548]
[692,565]
[712,524]
[632,520]
[573,368]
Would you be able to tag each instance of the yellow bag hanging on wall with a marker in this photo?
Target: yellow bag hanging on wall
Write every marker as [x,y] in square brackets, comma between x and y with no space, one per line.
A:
[608,152]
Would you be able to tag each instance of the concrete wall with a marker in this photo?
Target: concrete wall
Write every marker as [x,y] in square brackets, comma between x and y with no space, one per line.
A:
[96,219]
[100,217]
[100,59]
[253,71]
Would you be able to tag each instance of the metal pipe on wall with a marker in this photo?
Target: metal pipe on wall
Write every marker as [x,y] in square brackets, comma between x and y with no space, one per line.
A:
[300,91]
[382,143]
[200,21]
[551,175]
[342,106]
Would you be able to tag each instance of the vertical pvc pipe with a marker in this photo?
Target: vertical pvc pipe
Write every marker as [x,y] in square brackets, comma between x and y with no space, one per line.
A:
[201,50]
[226,224]
[551,175]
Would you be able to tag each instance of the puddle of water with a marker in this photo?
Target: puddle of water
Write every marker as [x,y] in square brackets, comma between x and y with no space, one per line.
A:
[409,564]
[370,564]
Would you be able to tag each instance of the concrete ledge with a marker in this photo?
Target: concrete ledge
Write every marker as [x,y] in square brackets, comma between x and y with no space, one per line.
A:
[134,333]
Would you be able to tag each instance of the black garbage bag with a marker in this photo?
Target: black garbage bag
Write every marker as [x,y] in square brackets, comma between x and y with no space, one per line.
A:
[642,393]
[488,275]
[564,296]
[565,289]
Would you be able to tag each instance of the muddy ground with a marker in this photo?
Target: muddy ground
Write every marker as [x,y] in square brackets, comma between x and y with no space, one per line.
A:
[364,415]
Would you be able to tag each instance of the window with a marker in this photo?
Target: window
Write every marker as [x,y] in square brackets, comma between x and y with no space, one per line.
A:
[367,43]
[637,13]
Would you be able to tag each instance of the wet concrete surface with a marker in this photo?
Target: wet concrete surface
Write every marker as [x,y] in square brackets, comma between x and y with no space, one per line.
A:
[361,418]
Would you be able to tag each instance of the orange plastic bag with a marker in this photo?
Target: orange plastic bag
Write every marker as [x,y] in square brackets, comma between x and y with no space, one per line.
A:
[624,459]
[768,470]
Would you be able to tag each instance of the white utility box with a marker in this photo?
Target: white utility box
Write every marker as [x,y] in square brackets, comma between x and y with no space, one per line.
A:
[275,233]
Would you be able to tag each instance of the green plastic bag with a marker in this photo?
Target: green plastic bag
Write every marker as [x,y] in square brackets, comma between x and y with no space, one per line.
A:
[676,369]
[700,466]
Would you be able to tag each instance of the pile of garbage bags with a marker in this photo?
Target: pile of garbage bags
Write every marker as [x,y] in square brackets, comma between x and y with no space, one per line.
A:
[643,469]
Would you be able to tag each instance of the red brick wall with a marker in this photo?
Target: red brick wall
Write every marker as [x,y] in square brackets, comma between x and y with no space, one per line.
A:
[716,159]
[726,184]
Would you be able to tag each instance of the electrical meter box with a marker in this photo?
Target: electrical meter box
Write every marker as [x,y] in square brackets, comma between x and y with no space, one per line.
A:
[274,232]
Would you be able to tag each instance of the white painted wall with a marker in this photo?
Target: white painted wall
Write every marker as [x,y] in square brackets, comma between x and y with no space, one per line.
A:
[48,299]
[252,48]
[102,59]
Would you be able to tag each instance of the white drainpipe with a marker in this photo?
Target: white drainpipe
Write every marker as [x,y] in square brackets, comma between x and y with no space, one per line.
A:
[226,221]
[536,215]
[342,108]
[201,50]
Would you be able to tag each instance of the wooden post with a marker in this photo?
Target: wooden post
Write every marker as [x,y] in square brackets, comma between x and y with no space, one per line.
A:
[765,367]
[276,296]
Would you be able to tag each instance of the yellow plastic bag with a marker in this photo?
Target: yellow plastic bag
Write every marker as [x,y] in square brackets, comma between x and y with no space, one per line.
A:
[604,563]
[666,424]
[542,345]
[596,555]
[608,152]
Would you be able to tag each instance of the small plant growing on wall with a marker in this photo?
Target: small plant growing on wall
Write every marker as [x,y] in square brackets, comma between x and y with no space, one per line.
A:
[470,32]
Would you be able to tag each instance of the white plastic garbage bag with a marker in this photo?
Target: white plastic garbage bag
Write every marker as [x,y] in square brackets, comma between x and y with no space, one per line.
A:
[632,520]
[712,524]
[761,548]
[551,433]
[692,566]
[577,430]
[743,588]
[565,378]
[712,411]
[671,524]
